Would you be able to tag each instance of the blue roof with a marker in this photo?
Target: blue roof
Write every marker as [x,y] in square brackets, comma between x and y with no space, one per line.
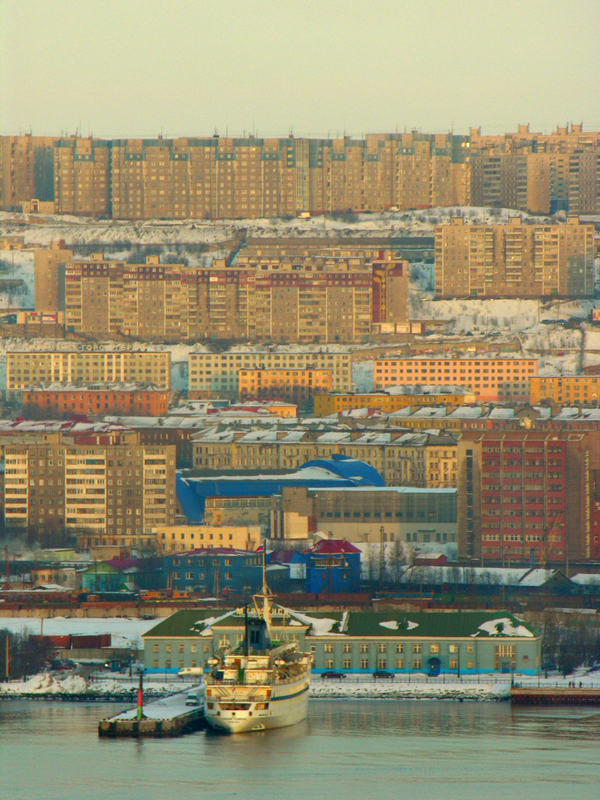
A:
[323,473]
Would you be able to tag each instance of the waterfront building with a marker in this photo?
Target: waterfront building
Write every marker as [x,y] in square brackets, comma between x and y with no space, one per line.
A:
[217,570]
[417,642]
[491,379]
[514,260]
[332,567]
[527,496]
[180,538]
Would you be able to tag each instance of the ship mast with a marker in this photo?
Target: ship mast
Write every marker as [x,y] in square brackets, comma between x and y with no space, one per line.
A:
[265,595]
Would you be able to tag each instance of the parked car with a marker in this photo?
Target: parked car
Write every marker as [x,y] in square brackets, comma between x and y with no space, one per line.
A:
[333,675]
[383,674]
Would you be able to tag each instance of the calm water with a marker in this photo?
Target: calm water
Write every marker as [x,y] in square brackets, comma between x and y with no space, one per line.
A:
[346,749]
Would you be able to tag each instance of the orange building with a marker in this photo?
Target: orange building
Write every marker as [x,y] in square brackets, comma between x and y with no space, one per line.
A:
[566,390]
[296,385]
[388,402]
[491,379]
[61,400]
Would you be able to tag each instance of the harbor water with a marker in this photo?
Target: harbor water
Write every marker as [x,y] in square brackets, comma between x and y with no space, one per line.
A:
[346,749]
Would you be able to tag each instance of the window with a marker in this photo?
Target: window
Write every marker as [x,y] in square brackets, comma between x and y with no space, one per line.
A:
[155,663]
[193,648]
[364,648]
[381,663]
[168,664]
[399,648]
[329,663]
[168,648]
[417,663]
[347,648]
[180,649]
[470,664]
[381,648]
[453,663]
[416,648]
[347,663]
[469,648]
[329,648]
[364,663]
[454,648]
[155,648]
[399,663]
[434,648]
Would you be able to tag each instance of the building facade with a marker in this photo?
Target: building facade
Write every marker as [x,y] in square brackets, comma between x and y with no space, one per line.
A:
[87,365]
[57,401]
[388,402]
[217,375]
[454,642]
[107,488]
[298,385]
[488,378]
[180,538]
[566,390]
[527,497]
[514,260]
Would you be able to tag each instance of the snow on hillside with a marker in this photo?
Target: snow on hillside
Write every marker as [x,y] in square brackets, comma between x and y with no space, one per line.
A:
[16,265]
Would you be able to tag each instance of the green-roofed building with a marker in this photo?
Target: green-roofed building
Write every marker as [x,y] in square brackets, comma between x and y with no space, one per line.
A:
[426,642]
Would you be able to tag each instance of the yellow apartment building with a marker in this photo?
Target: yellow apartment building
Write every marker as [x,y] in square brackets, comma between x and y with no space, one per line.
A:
[217,375]
[488,378]
[28,367]
[514,260]
[566,390]
[181,538]
[48,271]
[388,402]
[297,385]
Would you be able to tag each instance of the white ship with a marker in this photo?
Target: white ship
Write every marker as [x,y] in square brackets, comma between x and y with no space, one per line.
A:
[263,683]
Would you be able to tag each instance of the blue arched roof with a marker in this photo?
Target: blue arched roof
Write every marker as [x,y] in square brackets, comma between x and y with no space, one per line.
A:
[358,472]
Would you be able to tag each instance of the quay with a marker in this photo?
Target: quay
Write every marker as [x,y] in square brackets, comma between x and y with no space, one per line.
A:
[165,718]
[555,696]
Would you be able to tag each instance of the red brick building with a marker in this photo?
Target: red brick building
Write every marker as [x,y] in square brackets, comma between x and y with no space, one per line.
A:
[528,497]
[59,401]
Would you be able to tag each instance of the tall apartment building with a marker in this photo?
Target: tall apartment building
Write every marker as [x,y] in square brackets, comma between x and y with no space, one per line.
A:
[488,378]
[527,497]
[307,300]
[217,375]
[223,177]
[25,368]
[107,486]
[514,260]
[49,276]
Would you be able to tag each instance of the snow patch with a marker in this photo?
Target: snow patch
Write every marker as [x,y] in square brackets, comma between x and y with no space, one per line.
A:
[503,626]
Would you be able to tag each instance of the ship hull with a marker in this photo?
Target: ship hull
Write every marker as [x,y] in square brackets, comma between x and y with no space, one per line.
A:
[288,705]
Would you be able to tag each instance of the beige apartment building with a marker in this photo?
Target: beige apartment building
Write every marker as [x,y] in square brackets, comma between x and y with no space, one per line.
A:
[183,538]
[316,300]
[217,375]
[488,378]
[86,366]
[514,260]
[107,486]
[406,459]
[247,177]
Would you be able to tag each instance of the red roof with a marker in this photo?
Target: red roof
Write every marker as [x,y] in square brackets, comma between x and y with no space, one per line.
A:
[326,546]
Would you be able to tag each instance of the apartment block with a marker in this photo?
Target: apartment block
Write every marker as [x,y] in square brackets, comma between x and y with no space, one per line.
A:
[488,378]
[296,385]
[246,177]
[26,368]
[527,497]
[390,401]
[408,459]
[217,375]
[107,486]
[566,390]
[514,260]
[48,271]
[59,401]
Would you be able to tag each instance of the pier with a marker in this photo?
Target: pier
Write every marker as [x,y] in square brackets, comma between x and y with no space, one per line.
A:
[165,718]
[555,696]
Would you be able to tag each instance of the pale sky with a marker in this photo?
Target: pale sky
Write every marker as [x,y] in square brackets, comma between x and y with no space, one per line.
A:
[317,67]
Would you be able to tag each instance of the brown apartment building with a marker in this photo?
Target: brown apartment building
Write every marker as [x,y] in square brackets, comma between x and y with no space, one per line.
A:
[59,401]
[514,260]
[107,486]
[527,497]
[223,177]
[328,298]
